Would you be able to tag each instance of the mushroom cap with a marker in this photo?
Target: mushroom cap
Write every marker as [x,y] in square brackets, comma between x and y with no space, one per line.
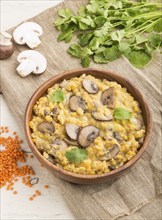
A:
[6,46]
[107,97]
[46,127]
[24,28]
[5,39]
[76,102]
[90,86]
[72,130]
[37,59]
[101,117]
[111,153]
[87,135]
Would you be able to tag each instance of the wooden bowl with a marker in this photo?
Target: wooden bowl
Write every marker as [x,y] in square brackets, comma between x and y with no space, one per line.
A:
[79,178]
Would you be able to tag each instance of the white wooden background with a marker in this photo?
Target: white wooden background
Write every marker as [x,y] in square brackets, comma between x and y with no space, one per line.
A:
[51,204]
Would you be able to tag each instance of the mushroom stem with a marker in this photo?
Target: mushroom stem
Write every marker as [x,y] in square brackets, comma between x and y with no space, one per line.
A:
[25,68]
[5,38]
[32,40]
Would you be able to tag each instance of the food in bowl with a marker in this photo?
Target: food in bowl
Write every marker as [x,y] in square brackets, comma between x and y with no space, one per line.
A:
[87,125]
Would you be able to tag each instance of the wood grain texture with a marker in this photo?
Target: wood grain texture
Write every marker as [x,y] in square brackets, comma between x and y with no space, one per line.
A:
[142,183]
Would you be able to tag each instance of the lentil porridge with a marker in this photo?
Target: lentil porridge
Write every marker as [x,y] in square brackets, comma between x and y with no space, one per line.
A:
[87,125]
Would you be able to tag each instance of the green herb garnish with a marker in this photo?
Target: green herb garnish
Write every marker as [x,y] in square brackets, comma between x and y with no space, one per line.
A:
[121,113]
[108,30]
[76,155]
[57,96]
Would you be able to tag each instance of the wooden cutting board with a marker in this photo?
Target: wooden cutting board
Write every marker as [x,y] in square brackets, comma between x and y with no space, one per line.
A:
[130,196]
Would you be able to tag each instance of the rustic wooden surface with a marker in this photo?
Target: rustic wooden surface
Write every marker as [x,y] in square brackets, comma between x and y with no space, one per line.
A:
[52,204]
[136,195]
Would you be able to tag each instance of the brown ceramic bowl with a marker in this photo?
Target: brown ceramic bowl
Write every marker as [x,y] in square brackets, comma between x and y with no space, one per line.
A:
[79,178]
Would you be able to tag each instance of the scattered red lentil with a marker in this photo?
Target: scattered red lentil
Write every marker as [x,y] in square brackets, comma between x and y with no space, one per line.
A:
[38,192]
[9,158]
[46,186]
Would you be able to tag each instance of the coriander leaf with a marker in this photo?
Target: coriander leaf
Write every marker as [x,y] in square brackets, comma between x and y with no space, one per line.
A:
[140,39]
[94,43]
[117,35]
[76,155]
[85,39]
[57,96]
[100,58]
[88,21]
[82,11]
[65,13]
[83,26]
[155,40]
[100,20]
[67,36]
[158,26]
[85,61]
[121,113]
[103,31]
[139,58]
[124,47]
[75,50]
[92,8]
[112,53]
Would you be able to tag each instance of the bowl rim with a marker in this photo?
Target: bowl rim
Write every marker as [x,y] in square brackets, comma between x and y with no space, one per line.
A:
[60,170]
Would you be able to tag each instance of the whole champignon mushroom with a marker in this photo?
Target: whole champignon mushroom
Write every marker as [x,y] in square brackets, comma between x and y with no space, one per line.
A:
[111,153]
[28,33]
[31,62]
[76,102]
[90,86]
[107,97]
[72,130]
[6,46]
[87,135]
[101,117]
[46,127]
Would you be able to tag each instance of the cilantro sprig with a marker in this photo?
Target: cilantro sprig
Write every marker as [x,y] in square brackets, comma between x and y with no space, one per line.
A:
[76,155]
[57,96]
[107,30]
[121,113]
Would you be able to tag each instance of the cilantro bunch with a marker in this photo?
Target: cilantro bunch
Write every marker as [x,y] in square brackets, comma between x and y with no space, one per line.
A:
[108,29]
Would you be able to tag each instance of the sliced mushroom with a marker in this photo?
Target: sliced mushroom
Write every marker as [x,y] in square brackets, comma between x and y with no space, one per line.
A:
[76,102]
[31,61]
[111,153]
[117,136]
[87,135]
[63,83]
[6,46]
[102,117]
[28,33]
[72,131]
[107,97]
[90,86]
[49,157]
[54,112]
[137,122]
[70,142]
[140,140]
[46,127]
[60,143]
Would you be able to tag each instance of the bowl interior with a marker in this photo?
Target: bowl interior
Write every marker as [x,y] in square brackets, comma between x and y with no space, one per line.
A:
[147,117]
